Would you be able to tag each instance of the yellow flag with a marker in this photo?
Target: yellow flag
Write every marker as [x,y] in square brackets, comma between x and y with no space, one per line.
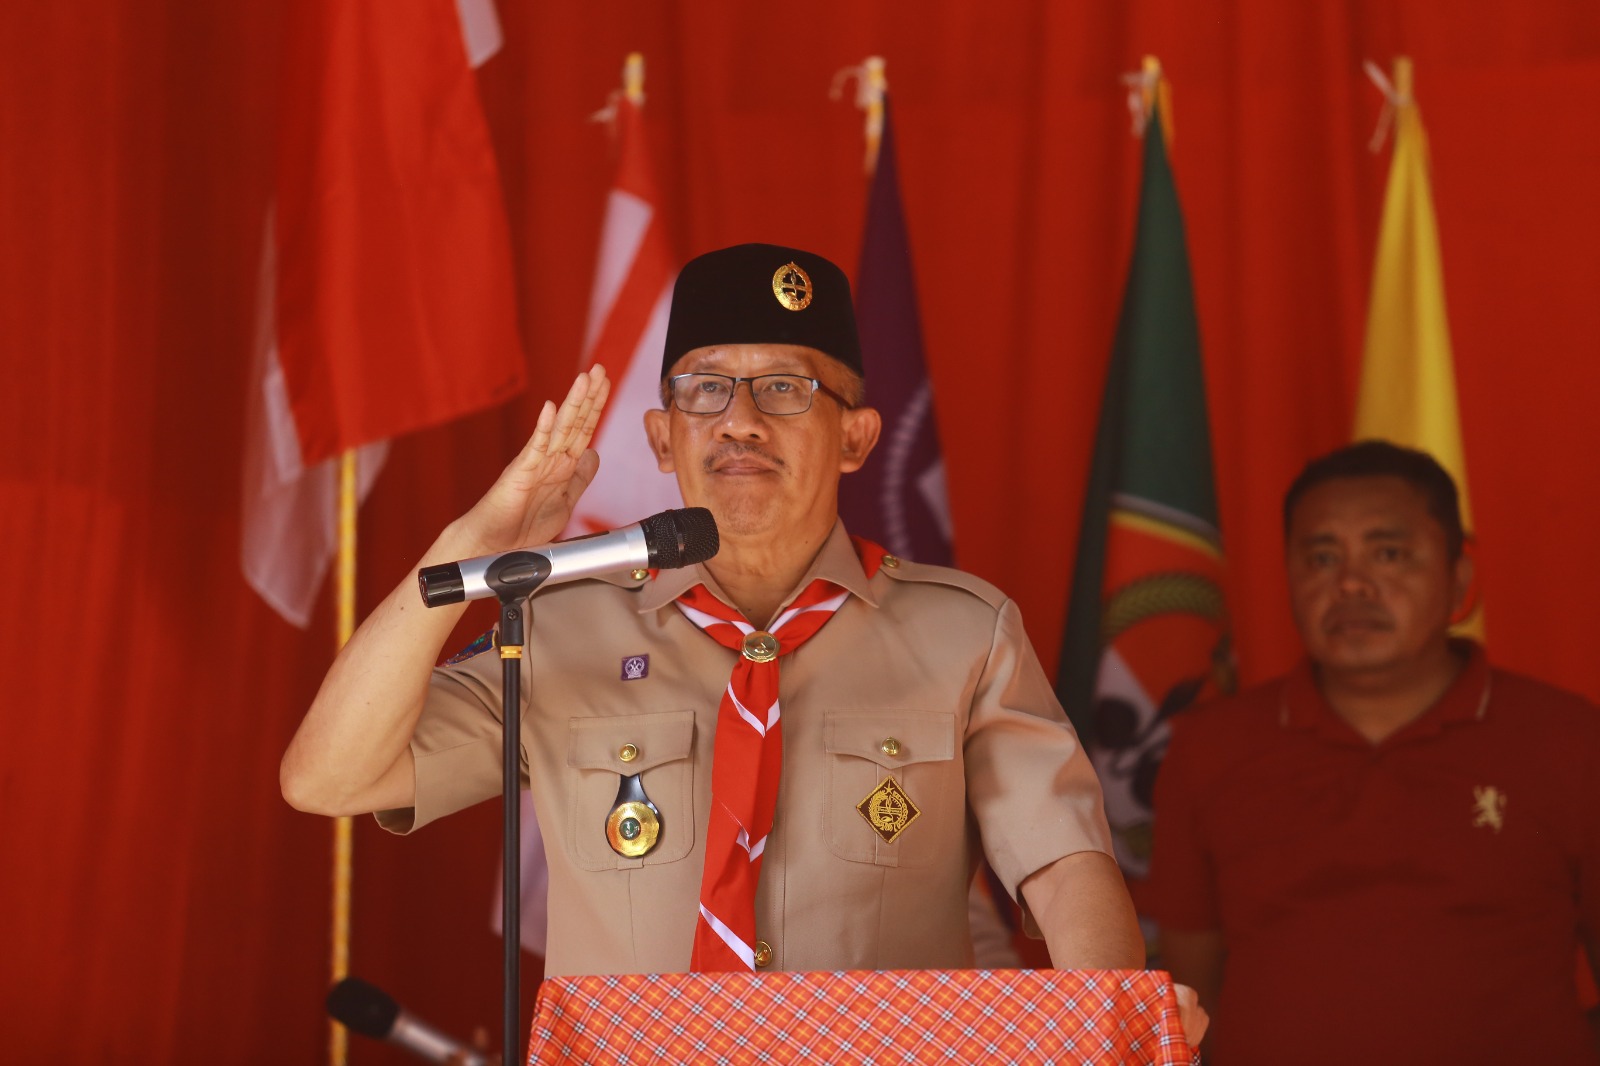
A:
[1408,380]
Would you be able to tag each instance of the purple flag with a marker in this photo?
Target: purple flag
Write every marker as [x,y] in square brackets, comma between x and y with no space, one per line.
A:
[898,498]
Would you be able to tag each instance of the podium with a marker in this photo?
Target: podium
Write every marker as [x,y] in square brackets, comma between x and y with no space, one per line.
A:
[863,1016]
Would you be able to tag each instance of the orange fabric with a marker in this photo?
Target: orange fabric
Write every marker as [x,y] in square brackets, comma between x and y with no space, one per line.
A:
[891,1016]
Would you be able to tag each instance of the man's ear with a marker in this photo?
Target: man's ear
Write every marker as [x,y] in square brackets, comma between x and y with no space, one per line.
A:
[861,426]
[1465,593]
[658,432]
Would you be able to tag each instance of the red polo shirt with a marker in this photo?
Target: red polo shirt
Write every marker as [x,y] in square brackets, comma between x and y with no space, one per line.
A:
[1413,901]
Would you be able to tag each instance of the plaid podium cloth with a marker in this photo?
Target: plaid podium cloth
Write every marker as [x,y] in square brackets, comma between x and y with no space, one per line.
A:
[956,1016]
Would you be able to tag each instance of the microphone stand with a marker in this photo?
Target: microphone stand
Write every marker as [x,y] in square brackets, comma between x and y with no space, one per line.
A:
[671,539]
[514,577]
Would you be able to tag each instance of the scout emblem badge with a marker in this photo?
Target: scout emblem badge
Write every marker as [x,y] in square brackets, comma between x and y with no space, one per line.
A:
[888,810]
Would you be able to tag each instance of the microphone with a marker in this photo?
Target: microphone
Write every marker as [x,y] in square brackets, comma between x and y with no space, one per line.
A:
[370,1011]
[664,541]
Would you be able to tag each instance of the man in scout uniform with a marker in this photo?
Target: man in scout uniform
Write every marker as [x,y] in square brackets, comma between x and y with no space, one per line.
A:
[1392,854]
[694,821]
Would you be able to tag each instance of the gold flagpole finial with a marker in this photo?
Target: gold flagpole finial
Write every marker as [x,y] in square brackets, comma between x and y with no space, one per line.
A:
[633,78]
[1150,68]
[1402,80]
[871,84]
[1148,89]
[632,90]
[875,84]
[1397,96]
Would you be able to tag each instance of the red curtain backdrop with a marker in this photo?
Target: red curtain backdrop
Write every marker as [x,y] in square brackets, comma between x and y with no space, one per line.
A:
[159,902]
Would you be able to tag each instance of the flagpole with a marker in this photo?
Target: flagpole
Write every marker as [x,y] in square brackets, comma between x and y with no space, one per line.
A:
[633,78]
[343,826]
[871,85]
[1149,90]
[874,84]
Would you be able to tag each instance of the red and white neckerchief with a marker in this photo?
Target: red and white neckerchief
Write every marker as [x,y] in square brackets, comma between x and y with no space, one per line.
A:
[747,760]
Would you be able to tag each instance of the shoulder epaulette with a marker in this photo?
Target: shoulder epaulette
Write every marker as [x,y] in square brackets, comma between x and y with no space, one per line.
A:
[925,573]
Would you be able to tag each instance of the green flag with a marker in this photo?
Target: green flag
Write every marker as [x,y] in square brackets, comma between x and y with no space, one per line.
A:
[1147,628]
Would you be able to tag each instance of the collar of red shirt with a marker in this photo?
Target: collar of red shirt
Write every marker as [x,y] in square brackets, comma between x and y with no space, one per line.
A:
[836,562]
[1466,700]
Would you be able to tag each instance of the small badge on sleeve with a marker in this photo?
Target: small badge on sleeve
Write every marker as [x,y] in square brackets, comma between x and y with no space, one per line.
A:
[484,642]
[888,810]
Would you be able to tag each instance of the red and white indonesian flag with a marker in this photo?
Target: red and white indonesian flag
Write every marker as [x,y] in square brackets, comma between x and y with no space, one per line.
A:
[387,299]
[626,333]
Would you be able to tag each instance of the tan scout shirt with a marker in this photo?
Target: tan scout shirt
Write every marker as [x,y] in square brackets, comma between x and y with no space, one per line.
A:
[932,657]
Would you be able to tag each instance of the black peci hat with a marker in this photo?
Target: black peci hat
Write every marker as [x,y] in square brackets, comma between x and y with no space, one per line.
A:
[762,294]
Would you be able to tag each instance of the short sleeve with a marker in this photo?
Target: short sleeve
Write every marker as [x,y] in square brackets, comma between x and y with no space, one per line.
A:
[1030,785]
[456,745]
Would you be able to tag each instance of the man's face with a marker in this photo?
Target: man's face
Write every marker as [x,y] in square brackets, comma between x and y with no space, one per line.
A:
[1370,577]
[761,473]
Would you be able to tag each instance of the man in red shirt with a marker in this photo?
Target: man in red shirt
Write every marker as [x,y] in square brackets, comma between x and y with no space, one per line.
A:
[1391,854]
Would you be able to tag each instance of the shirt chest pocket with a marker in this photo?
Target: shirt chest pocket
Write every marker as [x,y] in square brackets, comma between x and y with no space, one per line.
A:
[600,753]
[896,789]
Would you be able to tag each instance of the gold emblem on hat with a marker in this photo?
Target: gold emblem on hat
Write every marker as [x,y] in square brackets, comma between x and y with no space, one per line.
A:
[632,829]
[760,647]
[792,287]
[888,810]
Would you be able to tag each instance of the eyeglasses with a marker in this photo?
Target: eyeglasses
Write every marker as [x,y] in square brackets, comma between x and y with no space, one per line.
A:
[774,394]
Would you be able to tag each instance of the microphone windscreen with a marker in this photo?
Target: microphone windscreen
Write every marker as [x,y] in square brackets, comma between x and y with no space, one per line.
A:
[441,584]
[681,537]
[362,1007]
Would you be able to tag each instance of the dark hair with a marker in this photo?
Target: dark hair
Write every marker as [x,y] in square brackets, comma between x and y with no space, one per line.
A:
[1380,458]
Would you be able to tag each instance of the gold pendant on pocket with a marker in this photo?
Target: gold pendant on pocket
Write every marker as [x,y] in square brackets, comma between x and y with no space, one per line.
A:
[888,810]
[634,825]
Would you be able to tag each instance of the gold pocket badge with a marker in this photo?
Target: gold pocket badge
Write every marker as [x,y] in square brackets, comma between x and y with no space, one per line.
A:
[634,825]
[888,810]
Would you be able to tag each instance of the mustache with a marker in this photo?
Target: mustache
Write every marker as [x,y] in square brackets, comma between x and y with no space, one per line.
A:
[1359,615]
[734,450]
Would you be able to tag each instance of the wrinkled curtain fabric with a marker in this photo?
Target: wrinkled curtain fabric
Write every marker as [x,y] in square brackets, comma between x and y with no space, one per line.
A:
[160,903]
